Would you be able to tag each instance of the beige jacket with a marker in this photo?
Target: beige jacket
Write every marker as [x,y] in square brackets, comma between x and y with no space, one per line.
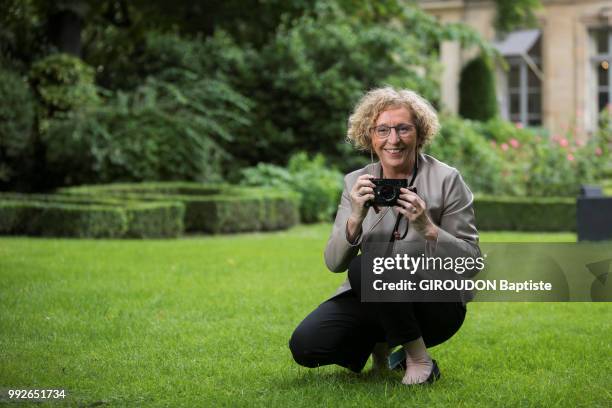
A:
[449,203]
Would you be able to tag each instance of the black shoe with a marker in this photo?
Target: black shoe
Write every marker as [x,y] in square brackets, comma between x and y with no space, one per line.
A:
[435,374]
[397,360]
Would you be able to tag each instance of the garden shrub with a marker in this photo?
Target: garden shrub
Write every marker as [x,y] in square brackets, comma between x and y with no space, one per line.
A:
[236,211]
[144,220]
[219,214]
[318,185]
[459,145]
[525,213]
[56,219]
[281,210]
[606,186]
[13,217]
[59,198]
[155,220]
[79,221]
[162,187]
[496,157]
[554,166]
[503,131]
[215,208]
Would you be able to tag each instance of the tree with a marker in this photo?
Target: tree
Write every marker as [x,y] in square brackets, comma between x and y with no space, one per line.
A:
[515,14]
[256,79]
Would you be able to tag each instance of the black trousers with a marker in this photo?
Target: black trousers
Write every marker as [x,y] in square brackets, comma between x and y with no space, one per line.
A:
[343,330]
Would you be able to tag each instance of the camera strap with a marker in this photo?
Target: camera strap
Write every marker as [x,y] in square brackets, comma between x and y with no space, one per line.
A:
[396,235]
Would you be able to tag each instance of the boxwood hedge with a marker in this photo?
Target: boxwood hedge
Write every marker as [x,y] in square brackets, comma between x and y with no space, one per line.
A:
[167,209]
[55,219]
[155,220]
[64,215]
[525,213]
[211,208]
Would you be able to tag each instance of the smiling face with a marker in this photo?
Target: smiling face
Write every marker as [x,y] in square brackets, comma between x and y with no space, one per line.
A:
[395,152]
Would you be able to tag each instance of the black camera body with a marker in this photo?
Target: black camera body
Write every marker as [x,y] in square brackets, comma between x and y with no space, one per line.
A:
[387,191]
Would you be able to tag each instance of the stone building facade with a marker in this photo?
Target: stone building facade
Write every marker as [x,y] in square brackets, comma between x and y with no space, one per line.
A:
[557,75]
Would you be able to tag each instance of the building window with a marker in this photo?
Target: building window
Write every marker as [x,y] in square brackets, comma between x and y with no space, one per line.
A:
[521,100]
[601,60]
[524,92]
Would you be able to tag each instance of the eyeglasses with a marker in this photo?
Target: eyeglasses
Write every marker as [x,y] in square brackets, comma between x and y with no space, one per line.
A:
[383,131]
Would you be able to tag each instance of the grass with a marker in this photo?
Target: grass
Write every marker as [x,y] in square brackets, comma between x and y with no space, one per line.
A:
[204,321]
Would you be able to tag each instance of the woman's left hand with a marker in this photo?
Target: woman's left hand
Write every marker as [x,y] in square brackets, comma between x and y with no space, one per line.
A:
[414,209]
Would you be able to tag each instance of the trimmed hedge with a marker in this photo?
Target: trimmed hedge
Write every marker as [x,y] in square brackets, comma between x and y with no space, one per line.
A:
[59,199]
[525,213]
[606,186]
[141,211]
[54,219]
[227,213]
[477,99]
[211,208]
[155,220]
[141,220]
[164,187]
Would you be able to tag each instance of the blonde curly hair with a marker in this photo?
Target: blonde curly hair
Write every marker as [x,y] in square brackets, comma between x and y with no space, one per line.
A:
[379,100]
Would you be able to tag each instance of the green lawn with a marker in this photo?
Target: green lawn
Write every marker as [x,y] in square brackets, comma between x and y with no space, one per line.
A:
[205,321]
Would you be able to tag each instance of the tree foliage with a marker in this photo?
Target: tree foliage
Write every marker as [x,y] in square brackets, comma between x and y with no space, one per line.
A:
[306,79]
[160,131]
[516,14]
[63,83]
[196,90]
[16,124]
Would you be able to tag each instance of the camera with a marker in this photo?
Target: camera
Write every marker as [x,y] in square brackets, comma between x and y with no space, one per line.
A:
[387,191]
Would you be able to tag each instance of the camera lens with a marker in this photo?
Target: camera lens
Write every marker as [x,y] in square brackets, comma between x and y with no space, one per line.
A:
[387,193]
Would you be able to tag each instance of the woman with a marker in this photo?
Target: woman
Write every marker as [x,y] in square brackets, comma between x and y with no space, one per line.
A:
[394,125]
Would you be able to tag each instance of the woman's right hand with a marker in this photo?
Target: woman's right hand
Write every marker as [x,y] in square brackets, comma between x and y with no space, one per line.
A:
[362,191]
